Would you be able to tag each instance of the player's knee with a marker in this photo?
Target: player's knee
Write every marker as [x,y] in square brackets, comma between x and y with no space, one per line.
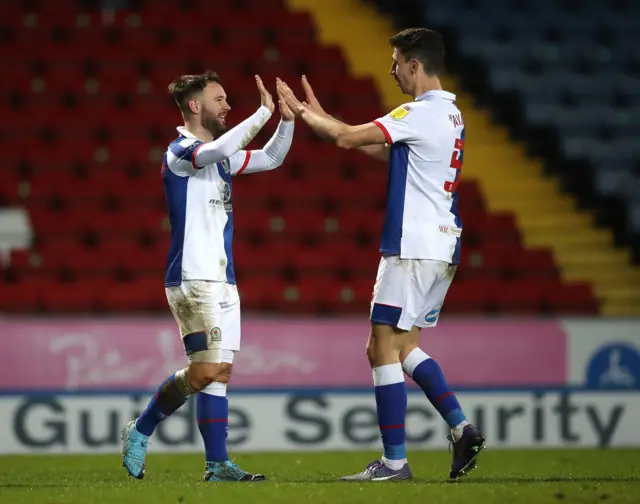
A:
[385,344]
[227,366]
[225,373]
[371,352]
[377,352]
[203,374]
[381,356]
[406,350]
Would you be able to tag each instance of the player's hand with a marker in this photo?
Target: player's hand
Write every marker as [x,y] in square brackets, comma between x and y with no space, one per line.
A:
[265,97]
[285,111]
[310,96]
[289,98]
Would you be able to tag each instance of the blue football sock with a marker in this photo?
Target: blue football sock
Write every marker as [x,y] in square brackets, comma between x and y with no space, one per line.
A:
[391,402]
[167,399]
[212,412]
[427,374]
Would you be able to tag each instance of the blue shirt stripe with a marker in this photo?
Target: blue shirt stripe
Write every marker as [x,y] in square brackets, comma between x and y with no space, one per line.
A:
[396,190]
[227,233]
[184,153]
[175,191]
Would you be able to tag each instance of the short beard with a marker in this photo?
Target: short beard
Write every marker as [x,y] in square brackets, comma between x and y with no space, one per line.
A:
[213,126]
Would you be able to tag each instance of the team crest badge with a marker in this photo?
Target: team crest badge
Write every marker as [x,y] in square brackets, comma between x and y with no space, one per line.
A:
[215,336]
[225,191]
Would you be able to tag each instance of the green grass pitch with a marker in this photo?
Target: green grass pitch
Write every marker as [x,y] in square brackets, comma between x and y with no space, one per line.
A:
[502,477]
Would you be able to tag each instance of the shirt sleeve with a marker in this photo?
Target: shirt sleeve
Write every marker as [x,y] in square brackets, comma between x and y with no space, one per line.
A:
[182,155]
[268,158]
[231,142]
[239,162]
[399,124]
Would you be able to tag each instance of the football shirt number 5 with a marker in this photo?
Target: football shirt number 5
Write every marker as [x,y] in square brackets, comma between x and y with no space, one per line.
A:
[456,164]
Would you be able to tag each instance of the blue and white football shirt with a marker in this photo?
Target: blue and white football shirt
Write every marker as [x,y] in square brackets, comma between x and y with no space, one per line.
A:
[427,143]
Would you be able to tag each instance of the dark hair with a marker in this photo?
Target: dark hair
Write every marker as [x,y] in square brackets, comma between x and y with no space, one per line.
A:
[183,88]
[424,45]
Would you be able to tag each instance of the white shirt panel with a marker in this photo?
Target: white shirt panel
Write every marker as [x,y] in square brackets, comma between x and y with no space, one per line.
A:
[422,220]
[200,210]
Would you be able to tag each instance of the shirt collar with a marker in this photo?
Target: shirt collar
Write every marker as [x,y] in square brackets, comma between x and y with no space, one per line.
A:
[436,93]
[185,132]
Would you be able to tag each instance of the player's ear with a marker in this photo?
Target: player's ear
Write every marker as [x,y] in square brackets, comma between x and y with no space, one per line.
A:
[194,105]
[414,66]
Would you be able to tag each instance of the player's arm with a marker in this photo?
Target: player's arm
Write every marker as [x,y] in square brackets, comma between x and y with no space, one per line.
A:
[238,137]
[395,126]
[368,142]
[345,136]
[274,151]
[329,127]
[232,141]
[365,135]
[376,151]
[270,157]
[401,124]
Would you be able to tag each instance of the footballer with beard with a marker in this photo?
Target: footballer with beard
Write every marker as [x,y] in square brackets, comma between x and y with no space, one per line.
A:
[200,281]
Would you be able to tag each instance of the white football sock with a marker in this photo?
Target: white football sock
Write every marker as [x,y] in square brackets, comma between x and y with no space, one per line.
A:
[456,432]
[394,465]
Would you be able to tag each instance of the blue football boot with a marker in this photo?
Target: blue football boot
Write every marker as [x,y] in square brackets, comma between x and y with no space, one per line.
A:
[134,450]
[228,471]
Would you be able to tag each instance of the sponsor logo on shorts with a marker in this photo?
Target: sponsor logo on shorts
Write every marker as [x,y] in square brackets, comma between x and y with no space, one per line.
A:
[432,316]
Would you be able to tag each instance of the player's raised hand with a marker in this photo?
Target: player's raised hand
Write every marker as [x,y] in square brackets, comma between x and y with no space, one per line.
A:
[285,111]
[265,97]
[289,98]
[310,96]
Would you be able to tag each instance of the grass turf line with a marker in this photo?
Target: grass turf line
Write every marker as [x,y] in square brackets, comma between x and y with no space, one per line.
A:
[522,476]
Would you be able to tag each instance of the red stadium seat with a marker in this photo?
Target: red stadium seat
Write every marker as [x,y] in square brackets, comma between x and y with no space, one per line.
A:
[270,258]
[360,261]
[489,259]
[10,189]
[141,295]
[25,295]
[471,296]
[315,261]
[305,295]
[70,256]
[352,296]
[71,297]
[261,292]
[476,263]
[572,298]
[500,227]
[536,262]
[521,296]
